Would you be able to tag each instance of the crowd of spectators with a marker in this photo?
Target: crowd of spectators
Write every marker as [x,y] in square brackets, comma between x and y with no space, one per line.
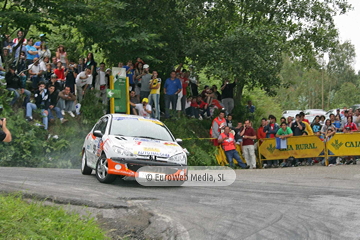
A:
[245,136]
[49,80]
[181,95]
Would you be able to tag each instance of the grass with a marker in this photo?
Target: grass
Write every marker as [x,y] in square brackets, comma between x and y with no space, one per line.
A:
[22,220]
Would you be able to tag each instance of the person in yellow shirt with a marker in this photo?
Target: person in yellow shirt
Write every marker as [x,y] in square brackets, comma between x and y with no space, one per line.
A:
[308,128]
[154,97]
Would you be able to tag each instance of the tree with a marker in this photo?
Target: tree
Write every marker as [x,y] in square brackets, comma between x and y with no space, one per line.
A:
[340,66]
[246,38]
[40,14]
[346,95]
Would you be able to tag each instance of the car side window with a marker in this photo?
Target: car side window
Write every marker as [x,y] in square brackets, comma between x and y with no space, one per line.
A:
[101,125]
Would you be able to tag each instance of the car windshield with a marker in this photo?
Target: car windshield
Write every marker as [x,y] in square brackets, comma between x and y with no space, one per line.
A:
[141,128]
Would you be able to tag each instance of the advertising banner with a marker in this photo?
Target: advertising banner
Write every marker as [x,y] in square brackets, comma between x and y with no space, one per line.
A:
[297,147]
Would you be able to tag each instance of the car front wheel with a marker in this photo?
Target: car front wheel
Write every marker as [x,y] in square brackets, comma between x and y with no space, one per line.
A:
[102,170]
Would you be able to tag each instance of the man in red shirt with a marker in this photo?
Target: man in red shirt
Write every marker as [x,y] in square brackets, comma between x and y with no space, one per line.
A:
[60,73]
[227,141]
[260,134]
[249,135]
[203,107]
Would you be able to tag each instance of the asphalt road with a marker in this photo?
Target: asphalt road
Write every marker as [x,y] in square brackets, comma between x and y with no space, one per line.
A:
[291,203]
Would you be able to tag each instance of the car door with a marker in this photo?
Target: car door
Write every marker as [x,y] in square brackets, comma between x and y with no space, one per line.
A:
[94,142]
[97,141]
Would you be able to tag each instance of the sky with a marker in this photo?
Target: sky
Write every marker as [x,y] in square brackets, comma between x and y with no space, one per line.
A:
[349,29]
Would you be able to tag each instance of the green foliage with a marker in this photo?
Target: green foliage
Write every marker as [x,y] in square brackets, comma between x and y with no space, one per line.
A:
[34,147]
[321,86]
[245,39]
[236,39]
[91,107]
[21,220]
[202,151]
[343,98]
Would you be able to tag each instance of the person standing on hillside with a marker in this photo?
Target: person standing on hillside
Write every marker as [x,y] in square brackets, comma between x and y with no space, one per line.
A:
[145,83]
[154,97]
[227,95]
[83,83]
[172,88]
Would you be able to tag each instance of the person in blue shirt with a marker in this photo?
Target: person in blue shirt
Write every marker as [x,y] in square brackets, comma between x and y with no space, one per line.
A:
[32,52]
[171,89]
[316,126]
[337,123]
[250,109]
[42,40]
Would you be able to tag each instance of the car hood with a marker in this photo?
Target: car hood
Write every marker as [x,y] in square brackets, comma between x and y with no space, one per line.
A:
[145,147]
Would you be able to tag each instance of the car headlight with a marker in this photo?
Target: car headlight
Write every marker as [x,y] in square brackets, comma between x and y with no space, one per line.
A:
[123,152]
[178,158]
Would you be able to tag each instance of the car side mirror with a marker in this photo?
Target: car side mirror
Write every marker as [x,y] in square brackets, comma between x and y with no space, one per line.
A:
[179,141]
[97,133]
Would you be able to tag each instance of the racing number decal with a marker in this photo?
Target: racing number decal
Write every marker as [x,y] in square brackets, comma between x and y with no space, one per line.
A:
[98,147]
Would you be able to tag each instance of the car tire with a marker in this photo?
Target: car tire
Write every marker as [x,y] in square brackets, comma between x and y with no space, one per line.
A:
[101,170]
[85,169]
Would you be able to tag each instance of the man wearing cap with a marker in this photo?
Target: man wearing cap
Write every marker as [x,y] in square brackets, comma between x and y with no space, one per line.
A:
[83,82]
[144,109]
[14,84]
[145,83]
[54,81]
[42,40]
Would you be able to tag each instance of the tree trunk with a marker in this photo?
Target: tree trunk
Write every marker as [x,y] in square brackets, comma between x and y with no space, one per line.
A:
[238,93]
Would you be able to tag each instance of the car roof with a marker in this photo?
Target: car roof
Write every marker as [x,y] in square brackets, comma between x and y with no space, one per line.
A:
[121,115]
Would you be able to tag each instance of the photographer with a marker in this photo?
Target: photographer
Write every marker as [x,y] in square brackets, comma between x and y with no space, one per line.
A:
[5,135]
[144,109]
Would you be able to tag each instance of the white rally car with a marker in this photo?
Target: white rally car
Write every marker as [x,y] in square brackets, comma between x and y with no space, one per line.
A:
[120,144]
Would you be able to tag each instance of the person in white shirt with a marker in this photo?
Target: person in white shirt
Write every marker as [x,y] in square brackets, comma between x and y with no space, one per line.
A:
[101,83]
[36,73]
[83,83]
[144,109]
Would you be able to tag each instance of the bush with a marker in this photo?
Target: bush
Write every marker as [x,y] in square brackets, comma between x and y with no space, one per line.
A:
[32,146]
[202,151]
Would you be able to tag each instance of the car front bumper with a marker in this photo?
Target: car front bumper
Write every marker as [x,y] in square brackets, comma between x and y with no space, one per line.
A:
[129,167]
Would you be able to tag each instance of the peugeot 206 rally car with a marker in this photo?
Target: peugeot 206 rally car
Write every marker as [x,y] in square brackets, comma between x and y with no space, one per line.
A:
[120,144]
